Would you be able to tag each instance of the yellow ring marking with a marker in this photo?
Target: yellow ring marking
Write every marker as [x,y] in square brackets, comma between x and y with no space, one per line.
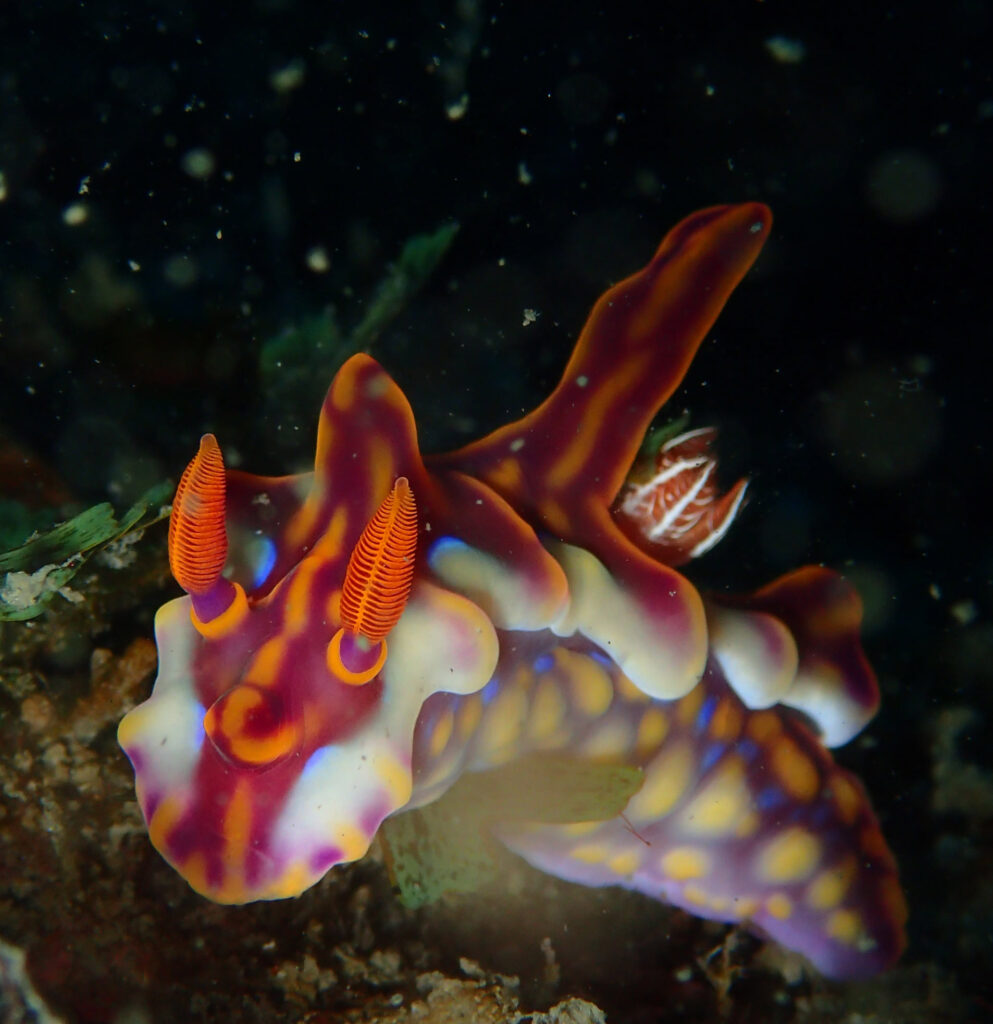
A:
[228,621]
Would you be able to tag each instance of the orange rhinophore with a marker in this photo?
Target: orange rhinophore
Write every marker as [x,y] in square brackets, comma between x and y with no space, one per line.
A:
[381,569]
[198,543]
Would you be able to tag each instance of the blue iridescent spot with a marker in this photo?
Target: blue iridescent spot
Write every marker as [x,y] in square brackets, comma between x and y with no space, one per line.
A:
[770,798]
[317,761]
[603,659]
[442,546]
[711,756]
[489,691]
[706,713]
[198,730]
[266,555]
[543,663]
[747,748]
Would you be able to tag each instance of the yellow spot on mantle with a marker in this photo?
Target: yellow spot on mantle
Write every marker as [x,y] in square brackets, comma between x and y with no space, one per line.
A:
[718,806]
[589,684]
[666,779]
[547,711]
[789,857]
[689,707]
[610,739]
[470,714]
[590,853]
[441,733]
[504,723]
[779,905]
[727,721]
[845,926]
[685,862]
[695,895]
[846,798]
[624,864]
[763,726]
[796,773]
[652,731]
[629,692]
[828,889]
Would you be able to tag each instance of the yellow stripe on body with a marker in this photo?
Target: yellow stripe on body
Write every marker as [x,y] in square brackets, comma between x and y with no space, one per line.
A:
[574,458]
[167,814]
[506,476]
[298,596]
[381,470]
[266,667]
[304,520]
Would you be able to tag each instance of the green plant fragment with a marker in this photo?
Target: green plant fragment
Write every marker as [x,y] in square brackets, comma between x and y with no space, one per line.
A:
[446,848]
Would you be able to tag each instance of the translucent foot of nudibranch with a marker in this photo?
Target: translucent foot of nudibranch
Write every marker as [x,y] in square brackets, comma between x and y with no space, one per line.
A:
[198,543]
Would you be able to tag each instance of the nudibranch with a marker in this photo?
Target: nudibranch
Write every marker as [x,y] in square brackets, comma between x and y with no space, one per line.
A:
[354,639]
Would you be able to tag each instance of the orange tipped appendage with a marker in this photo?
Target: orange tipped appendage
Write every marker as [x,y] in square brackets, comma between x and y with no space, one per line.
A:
[381,569]
[377,585]
[198,543]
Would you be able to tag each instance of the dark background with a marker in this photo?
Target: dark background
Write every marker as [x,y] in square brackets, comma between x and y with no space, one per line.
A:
[850,373]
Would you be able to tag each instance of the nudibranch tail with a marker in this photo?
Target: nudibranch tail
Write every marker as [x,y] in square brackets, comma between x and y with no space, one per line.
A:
[198,543]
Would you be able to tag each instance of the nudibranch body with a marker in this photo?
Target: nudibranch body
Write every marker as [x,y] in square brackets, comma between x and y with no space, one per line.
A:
[354,639]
